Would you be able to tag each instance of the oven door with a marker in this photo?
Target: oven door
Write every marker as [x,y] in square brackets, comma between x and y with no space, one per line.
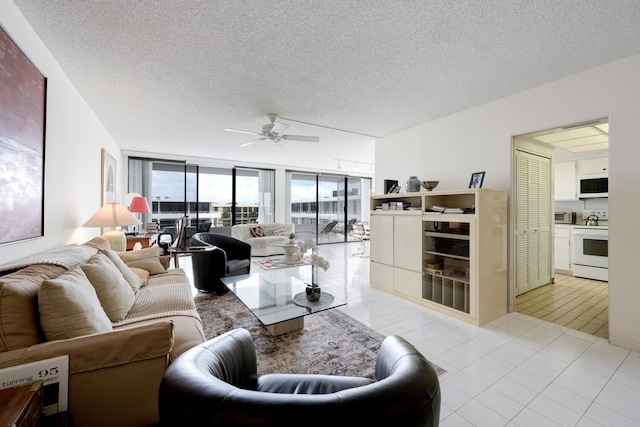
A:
[591,247]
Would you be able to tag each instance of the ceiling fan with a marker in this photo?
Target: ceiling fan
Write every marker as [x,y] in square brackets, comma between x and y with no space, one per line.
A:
[275,131]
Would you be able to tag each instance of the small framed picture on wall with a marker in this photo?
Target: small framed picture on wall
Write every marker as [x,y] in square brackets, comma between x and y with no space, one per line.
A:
[476,180]
[108,178]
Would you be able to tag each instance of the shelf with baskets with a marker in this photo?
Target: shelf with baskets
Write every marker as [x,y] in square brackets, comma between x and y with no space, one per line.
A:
[446,258]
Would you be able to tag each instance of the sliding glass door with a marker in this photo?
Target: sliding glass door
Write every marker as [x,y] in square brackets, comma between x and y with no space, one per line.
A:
[357,204]
[326,208]
[215,193]
[254,196]
[212,198]
[331,208]
[302,204]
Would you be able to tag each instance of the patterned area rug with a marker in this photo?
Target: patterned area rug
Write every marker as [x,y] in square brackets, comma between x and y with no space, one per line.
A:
[331,342]
[274,263]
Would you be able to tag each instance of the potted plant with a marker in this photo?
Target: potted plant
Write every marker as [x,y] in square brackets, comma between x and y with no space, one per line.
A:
[313,290]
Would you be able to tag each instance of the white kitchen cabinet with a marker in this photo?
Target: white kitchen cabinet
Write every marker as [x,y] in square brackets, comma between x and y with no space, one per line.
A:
[565,181]
[562,249]
[597,166]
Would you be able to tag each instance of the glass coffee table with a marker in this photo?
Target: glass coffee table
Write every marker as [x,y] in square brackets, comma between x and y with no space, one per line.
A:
[278,300]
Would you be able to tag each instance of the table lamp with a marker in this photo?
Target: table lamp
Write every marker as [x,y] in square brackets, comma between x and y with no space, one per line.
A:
[113,215]
[139,204]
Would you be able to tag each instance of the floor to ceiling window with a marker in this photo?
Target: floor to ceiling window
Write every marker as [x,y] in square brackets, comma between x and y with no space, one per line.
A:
[325,208]
[212,198]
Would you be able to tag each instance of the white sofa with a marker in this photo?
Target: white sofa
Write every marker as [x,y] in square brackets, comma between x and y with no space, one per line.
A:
[260,236]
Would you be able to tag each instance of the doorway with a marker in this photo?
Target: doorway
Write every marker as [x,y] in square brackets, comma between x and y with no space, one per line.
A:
[576,302]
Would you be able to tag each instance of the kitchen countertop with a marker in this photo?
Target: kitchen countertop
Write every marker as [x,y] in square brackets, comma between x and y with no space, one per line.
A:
[595,227]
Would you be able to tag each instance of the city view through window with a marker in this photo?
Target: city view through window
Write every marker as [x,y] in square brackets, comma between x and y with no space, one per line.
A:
[206,196]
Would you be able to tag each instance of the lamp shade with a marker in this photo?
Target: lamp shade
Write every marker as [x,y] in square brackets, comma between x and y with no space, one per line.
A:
[112,215]
[139,204]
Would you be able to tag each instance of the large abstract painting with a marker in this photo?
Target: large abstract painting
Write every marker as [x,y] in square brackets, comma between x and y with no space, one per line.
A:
[22,128]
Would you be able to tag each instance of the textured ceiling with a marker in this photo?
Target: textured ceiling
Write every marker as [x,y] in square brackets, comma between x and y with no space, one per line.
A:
[169,76]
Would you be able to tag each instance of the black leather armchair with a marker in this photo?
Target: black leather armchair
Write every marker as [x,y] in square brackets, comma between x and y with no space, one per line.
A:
[228,257]
[216,384]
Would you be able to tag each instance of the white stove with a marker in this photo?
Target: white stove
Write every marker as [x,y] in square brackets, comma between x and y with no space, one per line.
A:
[601,214]
[591,247]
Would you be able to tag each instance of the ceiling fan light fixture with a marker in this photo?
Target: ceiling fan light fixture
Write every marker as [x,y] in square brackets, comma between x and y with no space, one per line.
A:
[275,132]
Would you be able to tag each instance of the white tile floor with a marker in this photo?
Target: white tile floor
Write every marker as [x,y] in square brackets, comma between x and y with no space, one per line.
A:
[515,371]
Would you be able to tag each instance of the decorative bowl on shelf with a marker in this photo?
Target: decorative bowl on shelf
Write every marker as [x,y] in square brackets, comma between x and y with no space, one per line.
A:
[430,185]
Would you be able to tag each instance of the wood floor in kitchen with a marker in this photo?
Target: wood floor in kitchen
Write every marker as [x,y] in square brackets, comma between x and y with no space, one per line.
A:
[576,303]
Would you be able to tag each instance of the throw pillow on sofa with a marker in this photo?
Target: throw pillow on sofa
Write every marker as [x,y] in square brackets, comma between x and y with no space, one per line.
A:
[142,274]
[134,281]
[19,325]
[69,307]
[147,259]
[114,293]
[276,230]
[99,243]
[257,231]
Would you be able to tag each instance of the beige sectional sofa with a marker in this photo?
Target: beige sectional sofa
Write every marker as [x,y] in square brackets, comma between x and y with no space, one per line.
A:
[120,317]
[260,236]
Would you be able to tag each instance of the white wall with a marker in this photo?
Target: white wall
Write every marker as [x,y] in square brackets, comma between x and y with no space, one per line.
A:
[74,138]
[479,139]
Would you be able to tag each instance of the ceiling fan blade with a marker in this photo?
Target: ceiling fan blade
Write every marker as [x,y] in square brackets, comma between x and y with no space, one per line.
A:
[279,128]
[243,131]
[303,138]
[245,144]
[283,144]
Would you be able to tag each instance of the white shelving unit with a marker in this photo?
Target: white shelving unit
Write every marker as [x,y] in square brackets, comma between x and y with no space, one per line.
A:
[447,265]
[462,257]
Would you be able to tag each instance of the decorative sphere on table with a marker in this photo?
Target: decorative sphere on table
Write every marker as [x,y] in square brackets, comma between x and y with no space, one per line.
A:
[413,184]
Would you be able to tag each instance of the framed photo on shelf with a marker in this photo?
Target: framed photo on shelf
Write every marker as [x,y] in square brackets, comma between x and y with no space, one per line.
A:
[108,178]
[476,180]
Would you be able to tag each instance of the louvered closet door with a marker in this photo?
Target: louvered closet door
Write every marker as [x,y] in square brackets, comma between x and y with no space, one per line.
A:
[533,220]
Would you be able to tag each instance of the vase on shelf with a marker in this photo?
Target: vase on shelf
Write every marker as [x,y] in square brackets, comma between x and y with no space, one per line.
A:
[413,184]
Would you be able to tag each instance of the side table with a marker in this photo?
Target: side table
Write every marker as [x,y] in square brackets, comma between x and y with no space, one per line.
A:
[174,252]
[290,249]
[146,240]
[21,406]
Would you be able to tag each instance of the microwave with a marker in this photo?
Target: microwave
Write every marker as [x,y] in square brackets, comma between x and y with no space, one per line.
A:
[565,218]
[593,186]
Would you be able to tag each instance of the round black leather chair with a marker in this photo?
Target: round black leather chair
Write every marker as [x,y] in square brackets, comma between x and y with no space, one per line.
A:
[216,384]
[227,256]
